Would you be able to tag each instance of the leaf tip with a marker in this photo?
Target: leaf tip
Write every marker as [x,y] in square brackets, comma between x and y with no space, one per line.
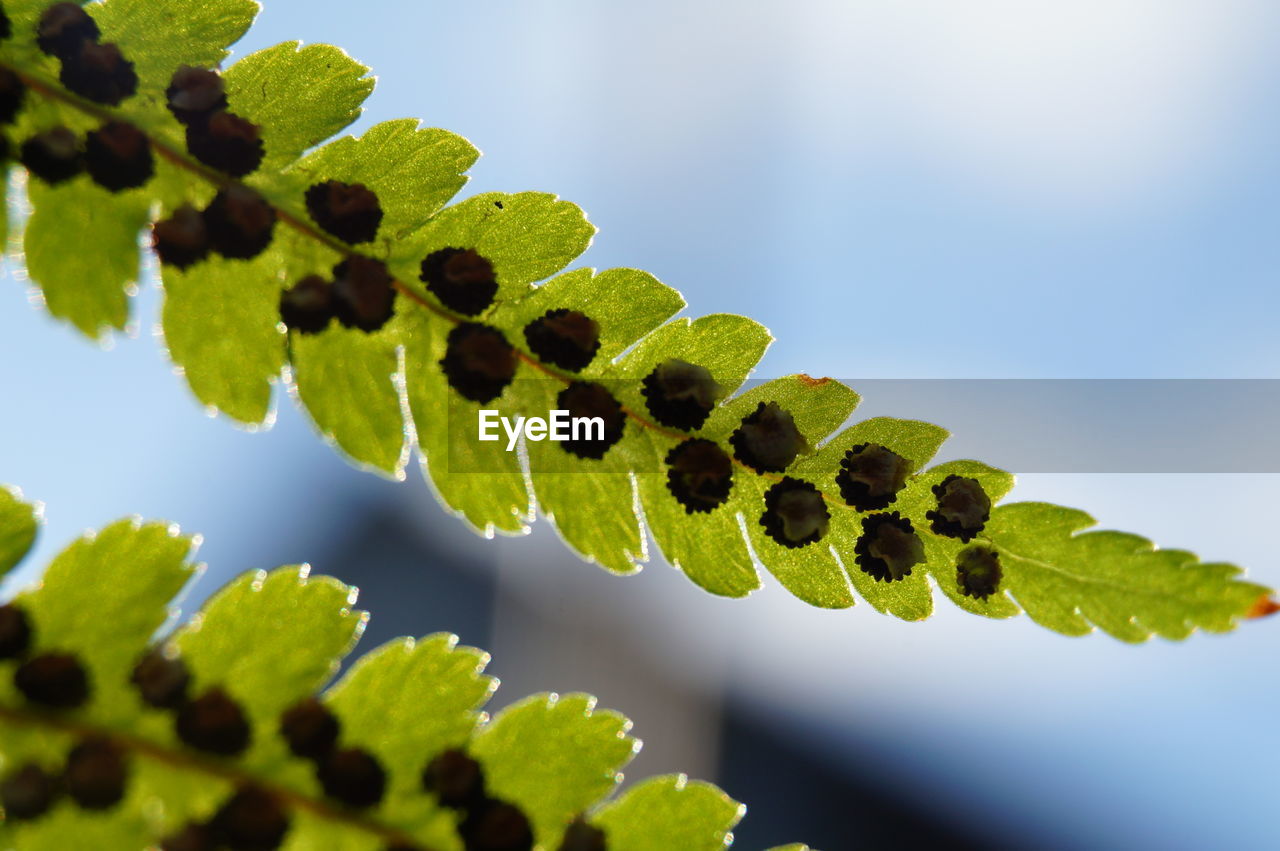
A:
[1262,607]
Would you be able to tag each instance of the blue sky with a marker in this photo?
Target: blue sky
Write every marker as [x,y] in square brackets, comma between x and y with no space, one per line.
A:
[913,189]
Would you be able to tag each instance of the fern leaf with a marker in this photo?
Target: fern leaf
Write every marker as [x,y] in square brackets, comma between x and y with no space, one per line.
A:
[219,325]
[19,522]
[526,236]
[160,35]
[300,96]
[347,382]
[151,563]
[1070,580]
[638,302]
[671,812]
[87,290]
[432,671]
[414,171]
[339,265]
[221,729]
[498,500]
[554,756]
[272,613]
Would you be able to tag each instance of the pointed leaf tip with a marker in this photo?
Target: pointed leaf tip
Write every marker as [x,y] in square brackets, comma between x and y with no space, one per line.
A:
[1263,607]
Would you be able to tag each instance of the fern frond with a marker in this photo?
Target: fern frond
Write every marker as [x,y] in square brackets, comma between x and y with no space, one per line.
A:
[220,730]
[394,319]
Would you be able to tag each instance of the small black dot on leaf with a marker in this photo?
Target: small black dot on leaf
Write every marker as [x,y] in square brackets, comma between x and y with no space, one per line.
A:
[455,779]
[118,156]
[795,514]
[768,439]
[978,571]
[191,837]
[182,239]
[226,142]
[699,475]
[581,835]
[565,338]
[497,826]
[239,223]
[28,792]
[870,476]
[63,27]
[194,94]
[55,680]
[307,307]
[54,156]
[349,211]
[96,774]
[464,281]
[963,508]
[478,361]
[99,72]
[353,776]
[251,820]
[15,631]
[583,399]
[364,294]
[213,722]
[680,394]
[888,547]
[6,27]
[12,94]
[161,679]
[309,728]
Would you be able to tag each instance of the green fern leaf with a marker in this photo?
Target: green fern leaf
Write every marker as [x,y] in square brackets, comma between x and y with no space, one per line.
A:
[346,379]
[160,35]
[527,236]
[414,171]
[88,289]
[219,323]
[432,671]
[19,522]
[370,212]
[671,812]
[191,725]
[270,612]
[126,611]
[1071,580]
[554,756]
[300,95]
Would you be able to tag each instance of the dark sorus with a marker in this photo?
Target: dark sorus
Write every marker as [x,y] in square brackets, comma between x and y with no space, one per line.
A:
[795,514]
[478,361]
[463,280]
[699,475]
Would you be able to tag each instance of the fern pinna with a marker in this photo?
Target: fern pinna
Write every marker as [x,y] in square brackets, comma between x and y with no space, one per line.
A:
[216,735]
[391,316]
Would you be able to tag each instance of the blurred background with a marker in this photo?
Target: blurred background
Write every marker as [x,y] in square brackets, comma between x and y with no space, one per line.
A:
[910,189]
